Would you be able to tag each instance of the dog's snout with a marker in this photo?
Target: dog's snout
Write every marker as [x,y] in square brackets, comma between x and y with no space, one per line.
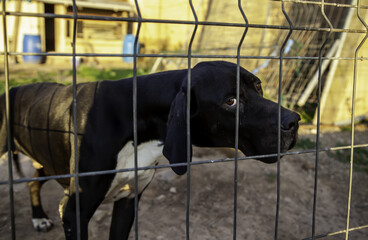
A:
[290,121]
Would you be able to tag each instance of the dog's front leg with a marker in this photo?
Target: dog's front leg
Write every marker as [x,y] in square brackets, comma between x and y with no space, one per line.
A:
[92,190]
[90,197]
[122,218]
[69,218]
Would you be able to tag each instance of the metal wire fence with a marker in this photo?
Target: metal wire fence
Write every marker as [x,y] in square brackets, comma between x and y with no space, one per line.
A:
[325,30]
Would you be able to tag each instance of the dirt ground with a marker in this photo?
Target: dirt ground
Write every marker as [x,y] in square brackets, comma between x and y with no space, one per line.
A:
[163,206]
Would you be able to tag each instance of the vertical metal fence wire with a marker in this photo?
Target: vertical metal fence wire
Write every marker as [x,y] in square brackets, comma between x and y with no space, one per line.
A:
[189,150]
[9,134]
[135,116]
[139,20]
[318,117]
[237,117]
[75,125]
[281,58]
[353,118]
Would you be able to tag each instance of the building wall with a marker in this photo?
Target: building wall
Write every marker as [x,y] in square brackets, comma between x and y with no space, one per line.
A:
[26,25]
[156,38]
[93,39]
[169,37]
[337,107]
[225,40]
[93,36]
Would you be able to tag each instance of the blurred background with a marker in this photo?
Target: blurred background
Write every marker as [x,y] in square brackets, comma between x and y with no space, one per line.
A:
[167,32]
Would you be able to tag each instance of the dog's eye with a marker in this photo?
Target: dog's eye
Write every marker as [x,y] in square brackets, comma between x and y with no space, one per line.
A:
[231,102]
[259,87]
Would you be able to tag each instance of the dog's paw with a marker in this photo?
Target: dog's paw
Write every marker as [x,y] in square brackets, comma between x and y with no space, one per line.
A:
[42,224]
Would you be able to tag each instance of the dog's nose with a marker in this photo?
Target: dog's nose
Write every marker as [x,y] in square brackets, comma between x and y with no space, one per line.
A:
[290,121]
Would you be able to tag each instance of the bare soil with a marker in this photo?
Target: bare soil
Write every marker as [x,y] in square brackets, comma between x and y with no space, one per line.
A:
[162,211]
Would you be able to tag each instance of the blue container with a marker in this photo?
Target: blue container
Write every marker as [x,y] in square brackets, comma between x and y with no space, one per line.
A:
[32,44]
[128,47]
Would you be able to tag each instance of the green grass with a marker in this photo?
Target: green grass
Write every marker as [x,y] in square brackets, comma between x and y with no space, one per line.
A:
[271,177]
[360,154]
[23,80]
[360,157]
[305,143]
[93,74]
[307,112]
[84,74]
[346,128]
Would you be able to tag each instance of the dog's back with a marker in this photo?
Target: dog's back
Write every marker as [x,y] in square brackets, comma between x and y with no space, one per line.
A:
[42,122]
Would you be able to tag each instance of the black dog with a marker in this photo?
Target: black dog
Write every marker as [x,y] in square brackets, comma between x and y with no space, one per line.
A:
[42,125]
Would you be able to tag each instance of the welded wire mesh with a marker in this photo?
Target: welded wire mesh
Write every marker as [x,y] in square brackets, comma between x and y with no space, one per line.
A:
[301,35]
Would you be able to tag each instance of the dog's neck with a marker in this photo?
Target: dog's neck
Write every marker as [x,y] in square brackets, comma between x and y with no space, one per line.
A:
[157,105]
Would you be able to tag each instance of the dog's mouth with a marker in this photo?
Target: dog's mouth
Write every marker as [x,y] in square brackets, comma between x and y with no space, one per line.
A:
[288,141]
[293,143]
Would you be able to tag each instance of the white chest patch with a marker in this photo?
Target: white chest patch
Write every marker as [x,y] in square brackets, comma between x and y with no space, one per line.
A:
[122,185]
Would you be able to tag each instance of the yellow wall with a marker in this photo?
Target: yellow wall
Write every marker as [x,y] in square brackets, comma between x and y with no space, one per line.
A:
[27,25]
[159,37]
[337,108]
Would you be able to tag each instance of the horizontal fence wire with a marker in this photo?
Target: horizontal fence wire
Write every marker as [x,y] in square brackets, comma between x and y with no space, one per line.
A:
[201,162]
[337,233]
[189,55]
[183,22]
[199,56]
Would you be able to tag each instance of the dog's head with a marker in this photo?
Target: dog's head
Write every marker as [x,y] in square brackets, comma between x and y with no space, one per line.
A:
[213,115]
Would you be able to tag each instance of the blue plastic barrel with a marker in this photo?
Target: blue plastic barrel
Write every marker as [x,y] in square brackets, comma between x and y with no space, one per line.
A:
[32,44]
[128,47]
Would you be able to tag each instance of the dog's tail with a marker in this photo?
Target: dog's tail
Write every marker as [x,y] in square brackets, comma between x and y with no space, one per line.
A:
[17,164]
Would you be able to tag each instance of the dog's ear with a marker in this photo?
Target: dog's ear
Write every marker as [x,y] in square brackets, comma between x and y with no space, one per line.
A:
[175,146]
